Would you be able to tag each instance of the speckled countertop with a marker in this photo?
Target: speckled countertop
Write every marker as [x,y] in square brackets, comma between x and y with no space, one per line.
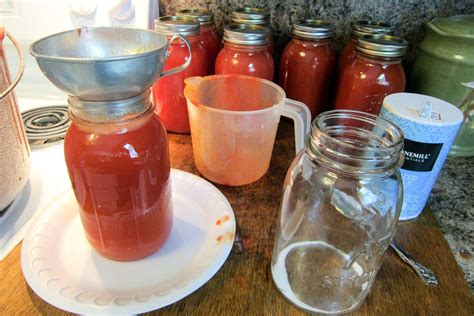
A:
[452,202]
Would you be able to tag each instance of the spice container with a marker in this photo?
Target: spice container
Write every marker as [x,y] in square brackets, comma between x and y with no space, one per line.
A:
[254,16]
[15,153]
[209,37]
[359,28]
[341,200]
[375,73]
[430,126]
[308,63]
[170,103]
[245,52]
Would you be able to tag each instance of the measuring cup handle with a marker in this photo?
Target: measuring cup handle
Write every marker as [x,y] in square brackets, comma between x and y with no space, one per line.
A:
[301,116]
[183,66]
[21,67]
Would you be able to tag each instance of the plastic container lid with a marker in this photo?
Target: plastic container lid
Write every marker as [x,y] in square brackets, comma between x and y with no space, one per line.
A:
[241,34]
[407,105]
[174,25]
[204,17]
[313,29]
[360,28]
[382,46]
[250,16]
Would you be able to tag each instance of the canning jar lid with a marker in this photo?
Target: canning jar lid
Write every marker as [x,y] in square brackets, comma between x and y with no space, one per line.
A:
[204,17]
[313,29]
[382,45]
[174,25]
[360,28]
[250,15]
[242,34]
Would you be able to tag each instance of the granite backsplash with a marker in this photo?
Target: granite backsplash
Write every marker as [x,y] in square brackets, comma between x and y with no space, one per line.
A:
[407,16]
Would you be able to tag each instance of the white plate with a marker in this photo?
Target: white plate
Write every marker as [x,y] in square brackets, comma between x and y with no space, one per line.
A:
[61,267]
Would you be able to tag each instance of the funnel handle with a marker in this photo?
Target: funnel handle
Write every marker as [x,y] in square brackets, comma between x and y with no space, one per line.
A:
[183,66]
[21,68]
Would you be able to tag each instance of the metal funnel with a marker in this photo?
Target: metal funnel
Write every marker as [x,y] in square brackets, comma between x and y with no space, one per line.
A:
[104,63]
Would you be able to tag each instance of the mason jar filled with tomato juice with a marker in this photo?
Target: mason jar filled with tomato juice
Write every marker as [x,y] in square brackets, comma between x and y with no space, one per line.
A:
[170,103]
[253,16]
[209,37]
[245,52]
[360,28]
[118,163]
[375,73]
[308,64]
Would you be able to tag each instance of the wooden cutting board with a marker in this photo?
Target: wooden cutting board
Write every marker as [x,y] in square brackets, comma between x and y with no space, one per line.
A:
[243,286]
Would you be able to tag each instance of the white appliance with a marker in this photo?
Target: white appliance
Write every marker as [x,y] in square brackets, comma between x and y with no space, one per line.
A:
[28,21]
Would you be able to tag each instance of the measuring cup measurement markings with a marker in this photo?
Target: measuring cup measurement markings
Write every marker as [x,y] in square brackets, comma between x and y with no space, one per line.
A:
[234,120]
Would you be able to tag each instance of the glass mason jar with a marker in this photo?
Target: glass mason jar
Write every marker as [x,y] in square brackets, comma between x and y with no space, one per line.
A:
[342,197]
[308,63]
[254,16]
[209,37]
[376,72]
[359,28]
[245,52]
[170,103]
[118,162]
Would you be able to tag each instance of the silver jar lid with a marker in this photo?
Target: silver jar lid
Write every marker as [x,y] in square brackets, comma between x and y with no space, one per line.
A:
[382,45]
[242,34]
[250,16]
[204,17]
[173,25]
[360,28]
[313,29]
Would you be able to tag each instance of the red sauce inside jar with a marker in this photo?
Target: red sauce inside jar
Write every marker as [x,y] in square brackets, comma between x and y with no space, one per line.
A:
[306,72]
[121,178]
[168,97]
[347,55]
[366,81]
[245,60]
[211,43]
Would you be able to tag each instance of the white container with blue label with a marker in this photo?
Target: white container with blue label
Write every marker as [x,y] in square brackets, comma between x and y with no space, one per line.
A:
[430,126]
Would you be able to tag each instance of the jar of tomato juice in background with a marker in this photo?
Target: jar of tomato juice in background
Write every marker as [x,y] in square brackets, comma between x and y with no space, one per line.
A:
[209,37]
[360,28]
[254,16]
[308,64]
[118,162]
[375,73]
[170,103]
[245,52]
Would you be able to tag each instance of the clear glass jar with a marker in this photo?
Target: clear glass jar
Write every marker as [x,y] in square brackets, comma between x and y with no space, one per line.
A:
[118,163]
[245,52]
[308,64]
[376,72]
[342,197]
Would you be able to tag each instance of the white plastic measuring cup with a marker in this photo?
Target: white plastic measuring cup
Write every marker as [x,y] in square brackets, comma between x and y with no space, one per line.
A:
[234,120]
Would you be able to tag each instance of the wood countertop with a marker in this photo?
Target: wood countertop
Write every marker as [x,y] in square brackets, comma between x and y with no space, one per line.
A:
[244,286]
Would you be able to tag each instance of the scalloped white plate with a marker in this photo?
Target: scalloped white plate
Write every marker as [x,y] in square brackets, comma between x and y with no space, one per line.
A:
[61,267]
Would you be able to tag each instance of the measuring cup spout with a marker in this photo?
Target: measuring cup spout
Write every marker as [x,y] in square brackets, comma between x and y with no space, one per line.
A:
[192,87]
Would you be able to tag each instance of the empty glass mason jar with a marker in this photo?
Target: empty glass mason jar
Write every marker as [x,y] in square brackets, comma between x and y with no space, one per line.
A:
[342,197]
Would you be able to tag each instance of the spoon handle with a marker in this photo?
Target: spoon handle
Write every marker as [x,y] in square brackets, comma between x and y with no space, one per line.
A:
[423,272]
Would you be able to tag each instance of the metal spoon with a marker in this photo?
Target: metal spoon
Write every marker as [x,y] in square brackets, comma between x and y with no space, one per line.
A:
[423,272]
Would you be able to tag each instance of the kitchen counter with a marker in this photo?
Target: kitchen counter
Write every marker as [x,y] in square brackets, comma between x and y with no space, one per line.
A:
[452,203]
[243,286]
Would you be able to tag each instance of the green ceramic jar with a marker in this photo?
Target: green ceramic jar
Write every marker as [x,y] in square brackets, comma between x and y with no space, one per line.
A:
[446,61]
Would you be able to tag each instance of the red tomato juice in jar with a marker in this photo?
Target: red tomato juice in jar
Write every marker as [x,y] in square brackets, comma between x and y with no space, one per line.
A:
[120,173]
[375,73]
[245,52]
[308,64]
[209,37]
[359,28]
[170,103]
